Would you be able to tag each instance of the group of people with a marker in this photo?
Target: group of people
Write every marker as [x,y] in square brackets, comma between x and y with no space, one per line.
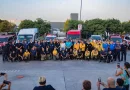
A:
[61,50]
[122,82]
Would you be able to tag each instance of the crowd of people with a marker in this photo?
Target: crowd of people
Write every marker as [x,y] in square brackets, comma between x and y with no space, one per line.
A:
[122,82]
[106,51]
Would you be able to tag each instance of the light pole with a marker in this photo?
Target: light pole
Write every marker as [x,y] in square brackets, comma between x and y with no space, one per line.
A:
[81,10]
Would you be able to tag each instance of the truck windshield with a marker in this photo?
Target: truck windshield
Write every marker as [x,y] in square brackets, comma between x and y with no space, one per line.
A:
[3,40]
[49,38]
[96,37]
[116,39]
[25,37]
[70,36]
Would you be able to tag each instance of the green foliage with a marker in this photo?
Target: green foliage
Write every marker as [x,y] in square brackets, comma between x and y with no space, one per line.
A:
[26,24]
[98,26]
[6,26]
[42,25]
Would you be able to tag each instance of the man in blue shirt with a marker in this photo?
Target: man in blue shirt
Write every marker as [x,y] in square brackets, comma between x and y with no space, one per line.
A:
[68,44]
[105,46]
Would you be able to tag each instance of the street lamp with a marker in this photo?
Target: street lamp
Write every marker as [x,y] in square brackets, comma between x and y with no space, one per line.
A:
[80,9]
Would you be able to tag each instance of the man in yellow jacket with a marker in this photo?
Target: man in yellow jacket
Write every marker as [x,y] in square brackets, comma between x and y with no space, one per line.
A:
[76,45]
[55,54]
[87,54]
[94,54]
[82,48]
[26,55]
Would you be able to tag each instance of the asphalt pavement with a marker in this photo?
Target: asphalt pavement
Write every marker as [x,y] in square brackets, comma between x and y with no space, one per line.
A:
[62,75]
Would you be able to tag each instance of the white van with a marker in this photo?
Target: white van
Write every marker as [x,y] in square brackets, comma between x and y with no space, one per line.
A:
[27,34]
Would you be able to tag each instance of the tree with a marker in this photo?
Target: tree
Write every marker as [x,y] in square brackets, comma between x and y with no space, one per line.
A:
[126,27]
[66,25]
[42,25]
[6,26]
[95,26]
[26,24]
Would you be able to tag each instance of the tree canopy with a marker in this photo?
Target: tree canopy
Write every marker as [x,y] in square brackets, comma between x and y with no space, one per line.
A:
[6,26]
[98,26]
[43,25]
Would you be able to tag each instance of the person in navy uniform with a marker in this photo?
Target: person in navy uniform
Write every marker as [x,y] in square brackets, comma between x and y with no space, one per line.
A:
[51,48]
[117,51]
[123,51]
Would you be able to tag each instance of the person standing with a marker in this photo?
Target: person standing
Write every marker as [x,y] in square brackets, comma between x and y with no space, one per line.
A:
[124,73]
[5,51]
[123,51]
[117,51]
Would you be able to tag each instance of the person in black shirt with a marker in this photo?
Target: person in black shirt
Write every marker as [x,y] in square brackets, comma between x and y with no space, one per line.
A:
[5,51]
[12,47]
[43,54]
[80,54]
[13,56]
[109,57]
[89,47]
[63,55]
[30,45]
[43,86]
[103,55]
[51,48]
[47,54]
[20,55]
[123,51]
[71,54]
[39,49]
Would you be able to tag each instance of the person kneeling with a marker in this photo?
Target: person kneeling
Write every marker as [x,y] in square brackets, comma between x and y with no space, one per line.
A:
[55,54]
[109,57]
[94,54]
[75,54]
[63,55]
[13,56]
[103,55]
[43,55]
[26,55]
[20,55]
[48,54]
[87,55]
[80,54]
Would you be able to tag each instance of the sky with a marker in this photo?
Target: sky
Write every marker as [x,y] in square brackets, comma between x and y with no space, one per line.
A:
[60,10]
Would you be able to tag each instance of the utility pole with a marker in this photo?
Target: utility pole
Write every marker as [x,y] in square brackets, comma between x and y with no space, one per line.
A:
[81,10]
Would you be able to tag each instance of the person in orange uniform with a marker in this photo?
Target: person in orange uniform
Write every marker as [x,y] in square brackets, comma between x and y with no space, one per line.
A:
[94,54]
[26,55]
[76,46]
[55,54]
[82,48]
[87,54]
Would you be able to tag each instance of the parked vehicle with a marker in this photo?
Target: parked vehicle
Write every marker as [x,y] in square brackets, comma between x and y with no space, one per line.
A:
[96,37]
[127,39]
[61,38]
[5,38]
[27,34]
[116,38]
[74,34]
[50,37]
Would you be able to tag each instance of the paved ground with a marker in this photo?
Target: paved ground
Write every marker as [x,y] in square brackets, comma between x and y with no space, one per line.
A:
[62,75]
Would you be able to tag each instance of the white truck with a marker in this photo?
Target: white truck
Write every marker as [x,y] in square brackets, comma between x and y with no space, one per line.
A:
[27,34]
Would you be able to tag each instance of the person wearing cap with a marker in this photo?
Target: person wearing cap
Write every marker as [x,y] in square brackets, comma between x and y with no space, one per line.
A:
[43,86]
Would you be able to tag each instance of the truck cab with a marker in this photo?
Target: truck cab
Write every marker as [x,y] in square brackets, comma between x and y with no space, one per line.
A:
[74,34]
[27,34]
